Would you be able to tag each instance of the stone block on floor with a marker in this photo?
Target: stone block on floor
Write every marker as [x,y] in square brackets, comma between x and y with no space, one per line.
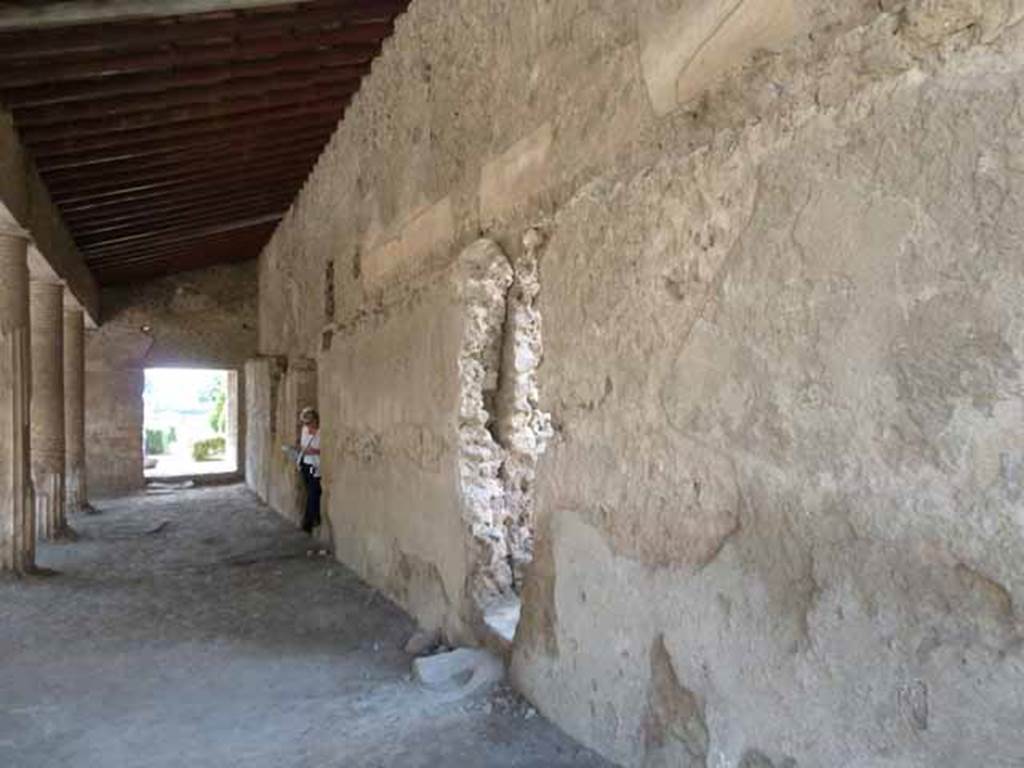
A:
[464,671]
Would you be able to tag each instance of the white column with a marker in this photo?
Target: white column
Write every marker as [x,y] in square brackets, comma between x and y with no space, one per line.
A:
[46,307]
[74,409]
[17,516]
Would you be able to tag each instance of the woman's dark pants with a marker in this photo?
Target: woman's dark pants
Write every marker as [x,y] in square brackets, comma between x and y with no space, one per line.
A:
[311,518]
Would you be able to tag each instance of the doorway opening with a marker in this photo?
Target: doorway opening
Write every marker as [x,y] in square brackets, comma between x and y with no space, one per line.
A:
[190,425]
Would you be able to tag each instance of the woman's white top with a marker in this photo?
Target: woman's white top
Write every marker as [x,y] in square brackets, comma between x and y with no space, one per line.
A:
[310,440]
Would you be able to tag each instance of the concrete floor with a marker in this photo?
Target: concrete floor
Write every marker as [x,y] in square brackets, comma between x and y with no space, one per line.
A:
[192,630]
[177,465]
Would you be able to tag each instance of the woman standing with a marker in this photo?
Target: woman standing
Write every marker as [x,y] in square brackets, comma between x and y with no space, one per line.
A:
[309,466]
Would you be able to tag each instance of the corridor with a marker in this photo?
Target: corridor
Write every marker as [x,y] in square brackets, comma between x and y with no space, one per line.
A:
[670,352]
[191,629]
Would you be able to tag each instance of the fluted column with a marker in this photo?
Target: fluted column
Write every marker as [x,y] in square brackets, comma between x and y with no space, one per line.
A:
[46,305]
[74,409]
[17,516]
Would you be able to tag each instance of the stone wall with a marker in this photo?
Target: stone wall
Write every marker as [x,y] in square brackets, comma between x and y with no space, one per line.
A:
[114,378]
[779,519]
[810,509]
[200,319]
[389,396]
[276,390]
[415,479]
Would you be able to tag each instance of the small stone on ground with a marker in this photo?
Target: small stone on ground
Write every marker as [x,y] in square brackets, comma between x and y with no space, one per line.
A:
[423,641]
[464,670]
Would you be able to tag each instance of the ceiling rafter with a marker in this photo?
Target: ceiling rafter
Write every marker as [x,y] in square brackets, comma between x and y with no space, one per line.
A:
[178,141]
[161,154]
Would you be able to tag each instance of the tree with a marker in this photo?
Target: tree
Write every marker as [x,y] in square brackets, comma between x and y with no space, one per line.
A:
[218,415]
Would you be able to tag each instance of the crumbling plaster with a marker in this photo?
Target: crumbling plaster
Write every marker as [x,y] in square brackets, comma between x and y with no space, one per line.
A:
[405,437]
[779,521]
[811,364]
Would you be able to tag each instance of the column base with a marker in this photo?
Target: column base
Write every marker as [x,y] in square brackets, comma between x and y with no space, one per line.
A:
[18,544]
[74,484]
[51,520]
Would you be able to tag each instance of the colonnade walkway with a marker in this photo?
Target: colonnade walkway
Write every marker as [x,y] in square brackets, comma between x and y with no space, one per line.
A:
[192,629]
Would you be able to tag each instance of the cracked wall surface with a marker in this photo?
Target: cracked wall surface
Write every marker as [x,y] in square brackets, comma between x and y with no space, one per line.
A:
[815,350]
[416,491]
[778,521]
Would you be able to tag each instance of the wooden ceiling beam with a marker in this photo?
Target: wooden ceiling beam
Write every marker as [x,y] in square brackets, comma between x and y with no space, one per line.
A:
[133,201]
[181,141]
[191,186]
[258,232]
[149,213]
[143,255]
[231,53]
[213,173]
[212,193]
[86,238]
[163,168]
[181,234]
[160,154]
[197,182]
[336,94]
[264,127]
[341,65]
[196,248]
[193,28]
[236,246]
[204,154]
[129,104]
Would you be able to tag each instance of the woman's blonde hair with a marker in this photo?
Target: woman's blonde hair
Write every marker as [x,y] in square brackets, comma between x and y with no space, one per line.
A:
[308,415]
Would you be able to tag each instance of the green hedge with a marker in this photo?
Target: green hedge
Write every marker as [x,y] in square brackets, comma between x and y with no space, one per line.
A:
[156,442]
[207,450]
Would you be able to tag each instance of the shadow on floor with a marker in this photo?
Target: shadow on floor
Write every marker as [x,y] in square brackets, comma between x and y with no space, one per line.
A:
[191,629]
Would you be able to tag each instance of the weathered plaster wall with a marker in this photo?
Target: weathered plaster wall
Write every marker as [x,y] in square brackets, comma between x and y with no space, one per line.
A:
[200,319]
[114,378]
[262,377]
[276,390]
[413,485]
[204,319]
[780,520]
[790,441]
[389,397]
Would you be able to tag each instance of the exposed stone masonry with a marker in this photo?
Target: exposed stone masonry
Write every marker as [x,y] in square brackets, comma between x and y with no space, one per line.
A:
[484,277]
[522,428]
[778,519]
[502,431]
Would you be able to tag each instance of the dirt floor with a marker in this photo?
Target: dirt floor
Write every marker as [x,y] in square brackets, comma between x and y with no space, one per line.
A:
[191,629]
